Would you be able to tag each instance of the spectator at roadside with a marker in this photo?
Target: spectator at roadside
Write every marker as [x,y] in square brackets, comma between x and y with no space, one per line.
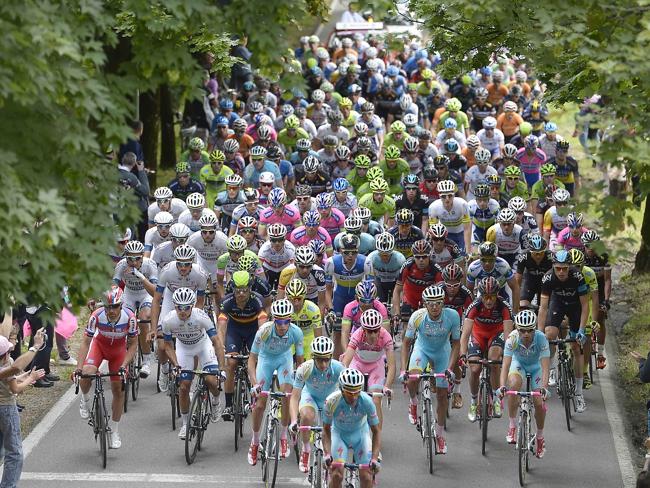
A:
[138,182]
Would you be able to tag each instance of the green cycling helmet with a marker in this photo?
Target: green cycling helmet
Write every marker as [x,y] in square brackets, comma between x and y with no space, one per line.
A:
[525,128]
[397,126]
[292,122]
[217,156]
[392,152]
[379,186]
[362,161]
[241,279]
[374,173]
[453,105]
[547,169]
[512,171]
[183,167]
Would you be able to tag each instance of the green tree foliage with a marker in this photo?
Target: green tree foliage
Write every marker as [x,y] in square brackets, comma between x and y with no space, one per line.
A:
[577,48]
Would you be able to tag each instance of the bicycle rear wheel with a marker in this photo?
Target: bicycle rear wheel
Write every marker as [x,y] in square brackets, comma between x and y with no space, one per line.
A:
[275,451]
[158,373]
[485,414]
[126,393]
[238,410]
[101,429]
[427,428]
[522,446]
[192,436]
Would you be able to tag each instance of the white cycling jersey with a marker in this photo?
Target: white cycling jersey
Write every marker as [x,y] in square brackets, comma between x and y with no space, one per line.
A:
[187,219]
[176,208]
[276,261]
[170,279]
[153,239]
[134,292]
[209,252]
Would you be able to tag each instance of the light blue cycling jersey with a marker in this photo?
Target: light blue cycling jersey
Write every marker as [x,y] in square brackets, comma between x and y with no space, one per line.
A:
[346,418]
[502,272]
[433,335]
[268,343]
[319,384]
[366,243]
[385,272]
[527,356]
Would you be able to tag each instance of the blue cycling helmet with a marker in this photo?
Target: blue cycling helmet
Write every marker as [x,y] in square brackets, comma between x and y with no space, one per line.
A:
[561,256]
[311,218]
[486,71]
[277,197]
[248,86]
[450,123]
[366,291]
[341,184]
[226,104]
[317,246]
[451,145]
[221,120]
[392,71]
[411,180]
[536,242]
[324,200]
[550,127]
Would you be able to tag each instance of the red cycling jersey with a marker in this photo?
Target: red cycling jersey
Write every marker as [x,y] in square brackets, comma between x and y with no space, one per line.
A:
[488,322]
[415,280]
[459,302]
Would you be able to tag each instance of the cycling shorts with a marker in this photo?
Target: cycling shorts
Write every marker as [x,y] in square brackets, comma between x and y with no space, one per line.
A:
[559,309]
[359,441]
[307,400]
[535,372]
[203,350]
[530,288]
[406,311]
[439,360]
[114,353]
[384,290]
[266,365]
[376,373]
[479,344]
[136,301]
[238,335]
[459,239]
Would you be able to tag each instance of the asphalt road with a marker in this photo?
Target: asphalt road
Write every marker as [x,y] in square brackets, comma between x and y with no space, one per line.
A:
[152,454]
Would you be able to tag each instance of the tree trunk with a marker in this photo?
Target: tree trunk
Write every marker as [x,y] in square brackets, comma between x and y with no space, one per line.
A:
[167,133]
[642,261]
[150,116]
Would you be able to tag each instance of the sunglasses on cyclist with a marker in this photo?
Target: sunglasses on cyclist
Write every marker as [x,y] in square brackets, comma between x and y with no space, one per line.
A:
[561,268]
[247,231]
[133,259]
[447,196]
[277,240]
[371,331]
[350,253]
[208,232]
[423,256]
[179,240]
[163,226]
[183,308]
[164,200]
[452,285]
[115,306]
[266,185]
[282,321]
[183,265]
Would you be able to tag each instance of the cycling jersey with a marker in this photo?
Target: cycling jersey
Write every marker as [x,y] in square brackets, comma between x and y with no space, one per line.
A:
[163,254]
[415,280]
[532,273]
[369,357]
[492,143]
[134,291]
[366,243]
[419,206]
[109,340]
[538,190]
[567,172]
[208,252]
[315,281]
[241,211]
[226,266]
[568,241]
[488,324]
[378,209]
[274,260]
[308,318]
[461,119]
[176,208]
[502,272]
[316,385]
[450,253]
[520,190]
[509,246]
[474,177]
[333,223]
[349,419]
[564,298]
[599,263]
[527,360]
[454,218]
[170,279]
[403,243]
[482,218]
[290,217]
[346,206]
[319,182]
[345,279]
[385,272]
[394,175]
[460,301]
[197,328]
[242,316]
[274,353]
[187,219]
[153,239]
[352,313]
[478,112]
[554,222]
[299,237]
[215,184]
[530,164]
[258,285]
[226,206]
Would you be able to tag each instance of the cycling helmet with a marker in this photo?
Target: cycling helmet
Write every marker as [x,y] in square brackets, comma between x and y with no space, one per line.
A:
[411,180]
[385,242]
[236,243]
[363,213]
[405,103]
[481,93]
[488,249]
[239,125]
[184,297]
[379,185]
[489,123]
[231,146]
[550,127]
[450,123]
[437,231]
[324,200]
[241,279]
[163,218]
[371,319]
[352,224]
[493,180]
[481,191]
[179,231]
[281,308]
[367,108]
[318,96]
[366,291]
[561,256]
[510,151]
[134,247]
[473,142]
[322,346]
[362,161]
[226,104]
[274,152]
[521,76]
[287,110]
[574,220]
[277,231]
[217,156]
[488,286]
[375,173]
[452,272]
[397,126]
[482,156]
[183,167]
[255,107]
[364,143]
[536,242]
[246,263]
[411,144]
[360,128]
[296,289]
[113,296]
[392,152]
[404,216]
[589,236]
[303,144]
[424,134]
[561,195]
[517,204]
[547,169]
[195,200]
[427,74]
[453,105]
[451,145]
[233,180]
[526,320]
[512,171]
[497,76]
[163,193]
[264,132]
[562,145]
[303,190]
[305,255]
[251,194]
[433,293]
[506,216]
[196,144]
[184,253]
[421,248]
[311,218]
[351,380]
[277,197]
[208,220]
[345,103]
[247,222]
[429,173]
[342,152]
[531,141]
[446,186]
[258,152]
[349,242]
[577,257]
[330,140]
[292,122]
[510,106]
[311,164]
[340,184]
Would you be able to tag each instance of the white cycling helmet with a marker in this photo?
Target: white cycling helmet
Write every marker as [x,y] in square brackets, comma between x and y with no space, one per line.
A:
[163,193]
[351,379]
[446,186]
[134,247]
[163,218]
[184,253]
[276,231]
[305,256]
[208,220]
[195,200]
[482,156]
[281,309]
[184,296]
[506,216]
[561,195]
[509,150]
[318,96]
[267,177]
[385,242]
[234,180]
[371,319]
[433,293]
[526,319]
[489,123]
[517,204]
[179,231]
[322,346]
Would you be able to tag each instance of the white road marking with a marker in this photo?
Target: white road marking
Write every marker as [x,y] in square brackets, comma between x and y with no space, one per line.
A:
[156,478]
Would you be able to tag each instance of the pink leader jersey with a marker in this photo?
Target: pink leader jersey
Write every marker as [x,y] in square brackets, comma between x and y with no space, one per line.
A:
[568,242]
[352,312]
[334,223]
[290,217]
[299,237]
[369,358]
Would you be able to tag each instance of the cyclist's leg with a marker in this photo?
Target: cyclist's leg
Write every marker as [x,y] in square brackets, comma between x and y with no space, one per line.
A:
[209,362]
[115,356]
[339,456]
[495,353]
[406,311]
[185,358]
[264,375]
[91,363]
[307,408]
[475,350]
[234,344]
[361,446]
[516,376]
[144,313]
[573,314]
[376,378]
[285,380]
[439,362]
[338,301]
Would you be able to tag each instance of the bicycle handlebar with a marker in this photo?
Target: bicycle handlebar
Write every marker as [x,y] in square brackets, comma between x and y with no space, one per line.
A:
[310,428]
[200,372]
[524,393]
[561,341]
[351,465]
[274,394]
[485,361]
[426,376]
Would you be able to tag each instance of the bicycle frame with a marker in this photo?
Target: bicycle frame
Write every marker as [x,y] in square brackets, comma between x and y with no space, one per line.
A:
[316,468]
[565,377]
[486,400]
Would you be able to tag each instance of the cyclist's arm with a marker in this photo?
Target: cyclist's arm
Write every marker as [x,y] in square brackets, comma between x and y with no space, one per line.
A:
[467,231]
[397,296]
[261,318]
[584,314]
[464,338]
[327,438]
[170,351]
[516,292]
[252,365]
[155,312]
[406,349]
[595,304]
[346,327]
[545,362]
[390,358]
[505,369]
[317,324]
[322,302]
[294,402]
[518,280]
[453,357]
[83,351]
[329,290]
[543,310]
[347,356]
[507,328]
[222,326]
[200,300]
[217,343]
[376,440]
[131,350]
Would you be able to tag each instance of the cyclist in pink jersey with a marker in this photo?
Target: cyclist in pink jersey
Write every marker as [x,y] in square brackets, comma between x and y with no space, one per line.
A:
[278,212]
[571,236]
[311,231]
[331,218]
[371,352]
[366,292]
[531,159]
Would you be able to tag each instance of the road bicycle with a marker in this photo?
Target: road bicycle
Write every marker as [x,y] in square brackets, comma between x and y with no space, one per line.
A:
[200,414]
[270,443]
[241,398]
[317,469]
[351,474]
[98,418]
[525,437]
[133,377]
[566,382]
[173,392]
[485,397]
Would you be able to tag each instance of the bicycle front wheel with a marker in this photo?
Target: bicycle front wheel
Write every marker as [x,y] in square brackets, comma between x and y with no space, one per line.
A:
[238,407]
[566,395]
[317,475]
[522,446]
[485,415]
[273,453]
[206,410]
[101,428]
[173,397]
[192,435]
[427,433]
[135,375]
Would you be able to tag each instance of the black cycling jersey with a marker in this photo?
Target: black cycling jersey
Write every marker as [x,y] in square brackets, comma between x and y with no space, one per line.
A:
[259,286]
[417,206]
[403,243]
[568,291]
[241,316]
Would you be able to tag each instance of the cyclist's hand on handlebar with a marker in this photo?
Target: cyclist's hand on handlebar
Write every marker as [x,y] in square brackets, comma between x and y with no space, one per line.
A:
[388,393]
[256,390]
[152,335]
[462,361]
[450,376]
[403,375]
[545,393]
[328,459]
[501,392]
[581,337]
[293,427]
[75,374]
[223,375]
[375,465]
